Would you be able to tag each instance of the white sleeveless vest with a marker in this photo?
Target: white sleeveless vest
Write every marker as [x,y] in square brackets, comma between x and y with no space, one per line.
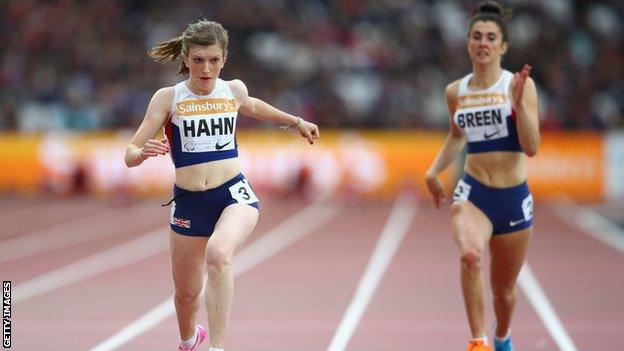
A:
[486,116]
[202,128]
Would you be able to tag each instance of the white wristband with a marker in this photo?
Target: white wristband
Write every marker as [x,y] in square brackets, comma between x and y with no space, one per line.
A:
[299,122]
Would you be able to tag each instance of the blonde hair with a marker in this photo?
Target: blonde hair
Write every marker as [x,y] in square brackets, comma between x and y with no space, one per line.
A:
[202,32]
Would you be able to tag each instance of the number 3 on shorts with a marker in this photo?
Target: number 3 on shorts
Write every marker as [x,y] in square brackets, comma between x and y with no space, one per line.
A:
[243,193]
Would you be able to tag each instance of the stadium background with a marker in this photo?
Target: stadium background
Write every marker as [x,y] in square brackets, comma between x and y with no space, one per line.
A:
[75,80]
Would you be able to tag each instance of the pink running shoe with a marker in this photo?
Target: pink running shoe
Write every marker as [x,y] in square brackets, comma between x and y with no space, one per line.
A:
[201,335]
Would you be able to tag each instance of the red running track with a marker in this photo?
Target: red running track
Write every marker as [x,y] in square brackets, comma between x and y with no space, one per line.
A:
[82,270]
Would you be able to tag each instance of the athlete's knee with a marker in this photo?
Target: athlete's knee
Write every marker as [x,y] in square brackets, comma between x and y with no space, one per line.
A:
[218,255]
[504,293]
[471,259]
[187,295]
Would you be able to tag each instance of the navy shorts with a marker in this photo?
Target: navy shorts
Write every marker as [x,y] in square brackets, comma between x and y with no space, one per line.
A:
[195,213]
[509,209]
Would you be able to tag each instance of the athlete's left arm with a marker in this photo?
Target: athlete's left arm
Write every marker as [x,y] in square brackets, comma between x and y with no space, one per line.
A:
[256,108]
[524,99]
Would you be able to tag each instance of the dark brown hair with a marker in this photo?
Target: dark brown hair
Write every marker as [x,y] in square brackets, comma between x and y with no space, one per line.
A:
[494,12]
[202,32]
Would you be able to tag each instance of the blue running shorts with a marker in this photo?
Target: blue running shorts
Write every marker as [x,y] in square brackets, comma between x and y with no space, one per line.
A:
[509,209]
[195,213]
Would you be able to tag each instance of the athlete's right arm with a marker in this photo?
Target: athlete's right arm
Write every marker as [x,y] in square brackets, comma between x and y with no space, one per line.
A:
[453,144]
[143,144]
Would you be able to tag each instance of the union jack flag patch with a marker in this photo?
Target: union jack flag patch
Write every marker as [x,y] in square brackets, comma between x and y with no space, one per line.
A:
[184,223]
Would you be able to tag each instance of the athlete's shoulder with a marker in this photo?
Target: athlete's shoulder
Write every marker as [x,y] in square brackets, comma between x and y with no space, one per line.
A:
[238,88]
[165,93]
[236,85]
[452,89]
[163,96]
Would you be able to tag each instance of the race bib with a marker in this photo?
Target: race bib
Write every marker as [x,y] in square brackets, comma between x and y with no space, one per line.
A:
[243,193]
[462,190]
[527,207]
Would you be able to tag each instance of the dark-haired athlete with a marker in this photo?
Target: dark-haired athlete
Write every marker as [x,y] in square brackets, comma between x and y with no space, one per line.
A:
[495,112]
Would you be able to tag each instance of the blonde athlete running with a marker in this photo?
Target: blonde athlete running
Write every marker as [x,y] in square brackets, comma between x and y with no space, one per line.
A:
[214,206]
[495,112]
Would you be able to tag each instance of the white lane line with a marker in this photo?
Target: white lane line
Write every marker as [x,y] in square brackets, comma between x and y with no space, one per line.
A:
[56,236]
[544,309]
[25,211]
[121,255]
[286,233]
[591,223]
[388,243]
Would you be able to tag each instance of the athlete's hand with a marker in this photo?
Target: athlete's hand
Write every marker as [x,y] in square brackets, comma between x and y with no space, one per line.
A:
[154,148]
[436,189]
[309,131]
[517,86]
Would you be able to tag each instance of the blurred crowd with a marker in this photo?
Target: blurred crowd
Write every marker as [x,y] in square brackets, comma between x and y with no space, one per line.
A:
[82,65]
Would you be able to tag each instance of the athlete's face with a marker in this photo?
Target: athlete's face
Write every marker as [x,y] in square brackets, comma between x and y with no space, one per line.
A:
[204,64]
[485,43]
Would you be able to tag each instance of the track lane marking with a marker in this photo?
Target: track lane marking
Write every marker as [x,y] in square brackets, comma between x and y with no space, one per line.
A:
[295,228]
[44,240]
[118,256]
[544,309]
[591,223]
[392,235]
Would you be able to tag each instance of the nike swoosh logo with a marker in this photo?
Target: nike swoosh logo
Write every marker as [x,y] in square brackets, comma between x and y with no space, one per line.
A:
[487,136]
[219,147]
[515,223]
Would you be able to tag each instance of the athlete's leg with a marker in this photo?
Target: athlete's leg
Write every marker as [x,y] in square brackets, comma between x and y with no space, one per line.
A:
[472,230]
[507,253]
[188,262]
[233,228]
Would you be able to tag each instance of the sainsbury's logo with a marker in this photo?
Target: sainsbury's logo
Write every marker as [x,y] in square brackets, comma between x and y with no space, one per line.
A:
[481,100]
[205,106]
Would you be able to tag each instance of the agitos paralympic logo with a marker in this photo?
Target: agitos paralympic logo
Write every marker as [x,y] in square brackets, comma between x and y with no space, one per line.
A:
[6,314]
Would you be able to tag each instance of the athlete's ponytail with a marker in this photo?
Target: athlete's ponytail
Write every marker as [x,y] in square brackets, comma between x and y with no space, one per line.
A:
[202,32]
[167,51]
